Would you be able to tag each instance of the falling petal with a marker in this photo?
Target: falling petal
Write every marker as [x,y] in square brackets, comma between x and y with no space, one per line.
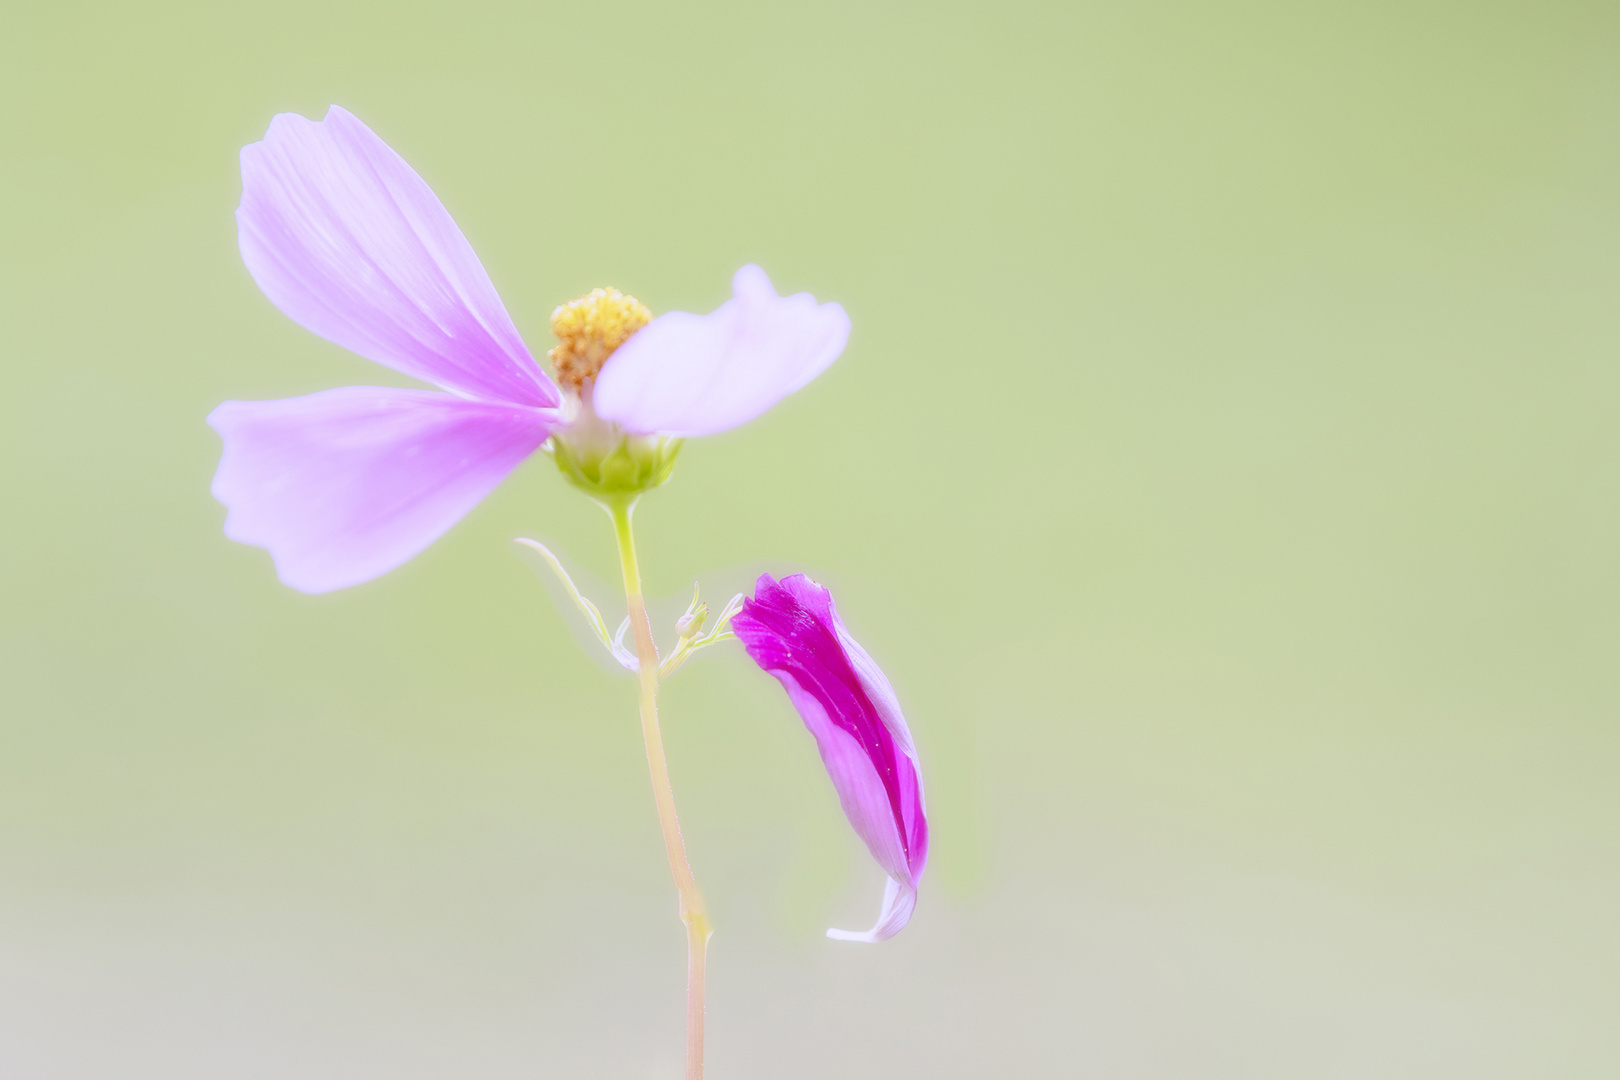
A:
[791,629]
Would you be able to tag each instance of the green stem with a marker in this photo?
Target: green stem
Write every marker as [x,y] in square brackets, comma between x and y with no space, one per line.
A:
[693,913]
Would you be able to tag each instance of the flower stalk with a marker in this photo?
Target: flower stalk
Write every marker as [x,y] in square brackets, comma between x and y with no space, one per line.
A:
[693,913]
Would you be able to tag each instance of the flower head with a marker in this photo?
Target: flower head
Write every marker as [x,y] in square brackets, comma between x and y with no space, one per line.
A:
[350,243]
[792,630]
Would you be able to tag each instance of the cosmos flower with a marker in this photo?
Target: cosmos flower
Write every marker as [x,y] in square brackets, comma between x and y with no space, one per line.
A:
[791,629]
[346,484]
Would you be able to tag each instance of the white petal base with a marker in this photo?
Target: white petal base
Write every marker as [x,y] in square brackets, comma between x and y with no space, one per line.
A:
[898,902]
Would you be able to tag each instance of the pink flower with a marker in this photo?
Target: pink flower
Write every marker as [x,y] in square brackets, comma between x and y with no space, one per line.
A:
[344,485]
[792,630]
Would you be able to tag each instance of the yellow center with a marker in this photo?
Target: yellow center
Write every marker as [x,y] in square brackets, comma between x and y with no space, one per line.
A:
[588,330]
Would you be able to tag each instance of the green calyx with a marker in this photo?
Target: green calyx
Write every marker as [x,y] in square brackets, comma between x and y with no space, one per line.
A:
[636,463]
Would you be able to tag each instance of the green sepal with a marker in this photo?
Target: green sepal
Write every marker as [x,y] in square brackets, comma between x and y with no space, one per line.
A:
[636,464]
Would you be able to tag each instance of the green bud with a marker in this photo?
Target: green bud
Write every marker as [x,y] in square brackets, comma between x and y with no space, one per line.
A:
[691,624]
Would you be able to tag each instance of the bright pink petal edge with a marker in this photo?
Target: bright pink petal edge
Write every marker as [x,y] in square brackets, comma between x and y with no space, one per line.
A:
[791,629]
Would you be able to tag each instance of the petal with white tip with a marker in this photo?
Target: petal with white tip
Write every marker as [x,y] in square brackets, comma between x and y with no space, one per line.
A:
[792,630]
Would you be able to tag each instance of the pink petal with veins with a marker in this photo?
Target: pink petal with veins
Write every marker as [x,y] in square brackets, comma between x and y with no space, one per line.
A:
[792,630]
[685,374]
[350,243]
[347,484]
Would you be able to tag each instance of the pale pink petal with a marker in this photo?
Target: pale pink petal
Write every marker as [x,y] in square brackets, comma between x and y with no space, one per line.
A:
[350,243]
[899,901]
[347,484]
[685,374]
[792,630]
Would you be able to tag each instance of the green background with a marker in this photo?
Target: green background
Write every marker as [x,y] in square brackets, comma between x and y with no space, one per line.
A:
[1223,466]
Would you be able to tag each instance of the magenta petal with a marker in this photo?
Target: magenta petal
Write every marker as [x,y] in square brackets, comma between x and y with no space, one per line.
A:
[792,630]
[346,484]
[350,243]
[685,374]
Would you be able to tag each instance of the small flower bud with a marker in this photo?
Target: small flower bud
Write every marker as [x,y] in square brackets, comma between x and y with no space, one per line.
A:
[691,624]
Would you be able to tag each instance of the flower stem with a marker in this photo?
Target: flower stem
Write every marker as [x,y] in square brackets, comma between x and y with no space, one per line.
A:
[693,913]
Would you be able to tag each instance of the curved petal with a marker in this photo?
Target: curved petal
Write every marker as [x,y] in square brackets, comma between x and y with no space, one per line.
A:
[792,630]
[685,374]
[350,243]
[347,484]
[899,901]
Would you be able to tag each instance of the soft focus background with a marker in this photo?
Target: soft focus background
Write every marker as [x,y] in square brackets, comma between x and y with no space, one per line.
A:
[1223,466]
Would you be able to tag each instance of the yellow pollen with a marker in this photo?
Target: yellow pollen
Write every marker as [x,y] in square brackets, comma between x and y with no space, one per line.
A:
[588,330]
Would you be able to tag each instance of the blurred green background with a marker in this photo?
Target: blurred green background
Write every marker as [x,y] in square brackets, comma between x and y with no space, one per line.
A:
[1223,466]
